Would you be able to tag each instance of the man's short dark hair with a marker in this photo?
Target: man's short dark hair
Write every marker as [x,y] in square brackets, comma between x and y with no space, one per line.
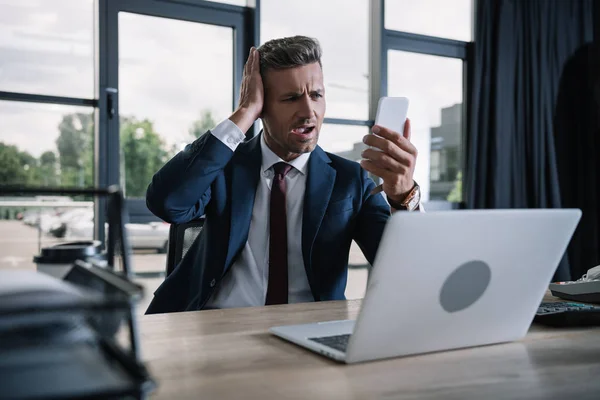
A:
[289,52]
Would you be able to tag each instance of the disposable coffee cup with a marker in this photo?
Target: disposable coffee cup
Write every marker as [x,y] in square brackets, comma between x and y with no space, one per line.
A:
[58,260]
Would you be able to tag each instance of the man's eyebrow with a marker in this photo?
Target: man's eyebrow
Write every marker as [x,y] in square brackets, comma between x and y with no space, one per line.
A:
[299,93]
[291,94]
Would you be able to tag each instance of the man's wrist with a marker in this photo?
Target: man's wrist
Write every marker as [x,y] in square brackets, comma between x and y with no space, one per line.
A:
[394,204]
[244,118]
[395,208]
[410,201]
[229,134]
[399,199]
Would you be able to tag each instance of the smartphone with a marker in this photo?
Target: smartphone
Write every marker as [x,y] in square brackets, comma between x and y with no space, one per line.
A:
[392,113]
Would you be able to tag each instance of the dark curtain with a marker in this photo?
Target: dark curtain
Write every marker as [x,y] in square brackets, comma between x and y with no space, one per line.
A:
[519,51]
[577,138]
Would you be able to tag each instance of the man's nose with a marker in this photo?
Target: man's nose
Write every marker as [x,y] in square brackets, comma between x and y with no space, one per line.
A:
[305,109]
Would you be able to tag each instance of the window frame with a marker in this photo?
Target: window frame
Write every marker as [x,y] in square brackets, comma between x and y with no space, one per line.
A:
[246,24]
[92,103]
[242,20]
[383,40]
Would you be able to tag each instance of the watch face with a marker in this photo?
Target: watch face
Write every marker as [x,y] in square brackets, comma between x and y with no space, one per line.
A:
[413,203]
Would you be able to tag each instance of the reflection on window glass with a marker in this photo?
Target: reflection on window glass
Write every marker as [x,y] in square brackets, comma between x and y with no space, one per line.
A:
[443,18]
[344,41]
[47,47]
[46,144]
[435,88]
[343,140]
[176,82]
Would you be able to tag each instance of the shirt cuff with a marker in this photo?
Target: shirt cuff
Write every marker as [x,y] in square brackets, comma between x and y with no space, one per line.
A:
[229,134]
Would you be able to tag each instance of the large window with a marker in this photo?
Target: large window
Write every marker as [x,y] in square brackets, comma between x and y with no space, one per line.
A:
[46,144]
[110,100]
[47,126]
[47,47]
[434,86]
[175,75]
[344,40]
[442,18]
[424,56]
[175,83]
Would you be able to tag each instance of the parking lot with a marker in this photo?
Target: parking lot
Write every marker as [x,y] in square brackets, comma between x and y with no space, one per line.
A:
[19,243]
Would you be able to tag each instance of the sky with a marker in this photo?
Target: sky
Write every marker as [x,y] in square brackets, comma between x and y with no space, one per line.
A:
[170,71]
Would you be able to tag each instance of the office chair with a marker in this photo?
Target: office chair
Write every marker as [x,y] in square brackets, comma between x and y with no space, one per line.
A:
[181,237]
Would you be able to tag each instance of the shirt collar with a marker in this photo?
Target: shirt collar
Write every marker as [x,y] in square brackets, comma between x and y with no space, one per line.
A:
[269,158]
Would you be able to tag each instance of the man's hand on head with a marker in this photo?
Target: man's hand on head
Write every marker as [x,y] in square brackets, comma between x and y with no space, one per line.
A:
[394,162]
[252,94]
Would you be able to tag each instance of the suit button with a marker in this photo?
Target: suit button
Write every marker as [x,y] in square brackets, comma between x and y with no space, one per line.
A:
[213,283]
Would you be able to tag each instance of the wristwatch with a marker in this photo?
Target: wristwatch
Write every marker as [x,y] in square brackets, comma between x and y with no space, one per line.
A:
[410,202]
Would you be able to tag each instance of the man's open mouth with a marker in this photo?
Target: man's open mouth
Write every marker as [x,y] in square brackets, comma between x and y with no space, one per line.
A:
[303,130]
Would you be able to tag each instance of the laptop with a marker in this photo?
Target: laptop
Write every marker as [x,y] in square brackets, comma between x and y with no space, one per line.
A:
[448,280]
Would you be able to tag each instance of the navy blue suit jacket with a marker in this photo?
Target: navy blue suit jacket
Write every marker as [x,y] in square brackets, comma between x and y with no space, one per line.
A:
[208,179]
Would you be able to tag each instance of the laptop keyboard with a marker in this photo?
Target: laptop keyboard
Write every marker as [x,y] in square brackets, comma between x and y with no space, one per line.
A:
[556,307]
[338,342]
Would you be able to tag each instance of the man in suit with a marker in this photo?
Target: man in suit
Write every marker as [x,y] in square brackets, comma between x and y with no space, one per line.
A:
[280,213]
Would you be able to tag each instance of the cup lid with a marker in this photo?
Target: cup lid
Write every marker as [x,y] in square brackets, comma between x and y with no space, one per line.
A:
[68,252]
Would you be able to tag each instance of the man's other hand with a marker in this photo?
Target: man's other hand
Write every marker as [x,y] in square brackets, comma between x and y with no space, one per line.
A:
[395,163]
[251,94]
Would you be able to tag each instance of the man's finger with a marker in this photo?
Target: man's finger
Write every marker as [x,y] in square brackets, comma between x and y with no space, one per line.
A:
[252,62]
[256,62]
[384,160]
[395,138]
[407,132]
[369,166]
[390,148]
[248,62]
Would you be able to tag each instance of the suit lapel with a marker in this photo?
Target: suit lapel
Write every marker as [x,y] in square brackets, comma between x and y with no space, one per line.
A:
[244,180]
[319,186]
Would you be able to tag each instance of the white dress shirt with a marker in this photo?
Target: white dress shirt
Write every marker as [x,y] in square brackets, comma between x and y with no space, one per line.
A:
[245,285]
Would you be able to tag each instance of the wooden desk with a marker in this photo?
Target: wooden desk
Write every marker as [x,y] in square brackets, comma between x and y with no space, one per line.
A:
[228,354]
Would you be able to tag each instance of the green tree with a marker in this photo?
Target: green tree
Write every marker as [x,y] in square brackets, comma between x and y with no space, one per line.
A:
[200,126]
[75,146]
[48,169]
[455,194]
[143,153]
[12,171]
[31,166]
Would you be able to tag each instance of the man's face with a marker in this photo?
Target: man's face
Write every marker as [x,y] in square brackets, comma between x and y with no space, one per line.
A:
[293,109]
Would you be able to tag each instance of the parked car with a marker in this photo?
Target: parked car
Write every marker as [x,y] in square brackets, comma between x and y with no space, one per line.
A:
[59,225]
[44,218]
[153,235]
